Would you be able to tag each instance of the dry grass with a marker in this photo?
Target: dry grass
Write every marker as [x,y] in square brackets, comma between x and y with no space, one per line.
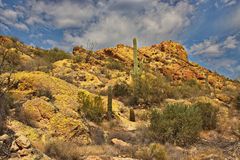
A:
[71,151]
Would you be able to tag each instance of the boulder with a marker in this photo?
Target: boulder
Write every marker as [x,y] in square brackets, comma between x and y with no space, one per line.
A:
[120,143]
[4,137]
[37,109]
[14,147]
[223,97]
[24,152]
[93,158]
[23,142]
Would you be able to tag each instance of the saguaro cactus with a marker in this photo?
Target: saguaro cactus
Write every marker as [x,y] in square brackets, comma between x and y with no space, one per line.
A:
[135,72]
[135,57]
[109,102]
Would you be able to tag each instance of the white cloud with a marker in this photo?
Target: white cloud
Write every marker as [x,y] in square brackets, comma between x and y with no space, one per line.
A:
[11,17]
[9,14]
[21,26]
[230,42]
[208,46]
[63,14]
[157,22]
[211,47]
[109,22]
[63,45]
[36,35]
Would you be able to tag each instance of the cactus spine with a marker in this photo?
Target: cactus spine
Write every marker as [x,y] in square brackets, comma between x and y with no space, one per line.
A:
[135,57]
[132,115]
[109,102]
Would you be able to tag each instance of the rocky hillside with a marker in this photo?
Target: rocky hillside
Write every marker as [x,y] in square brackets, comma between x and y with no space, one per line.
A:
[54,105]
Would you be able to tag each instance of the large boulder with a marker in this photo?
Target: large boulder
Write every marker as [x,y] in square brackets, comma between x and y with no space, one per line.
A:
[43,115]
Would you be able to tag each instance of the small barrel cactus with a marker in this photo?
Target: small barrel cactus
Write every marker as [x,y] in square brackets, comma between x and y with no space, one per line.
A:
[132,115]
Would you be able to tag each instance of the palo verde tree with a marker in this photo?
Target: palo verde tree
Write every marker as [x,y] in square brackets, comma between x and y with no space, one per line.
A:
[8,60]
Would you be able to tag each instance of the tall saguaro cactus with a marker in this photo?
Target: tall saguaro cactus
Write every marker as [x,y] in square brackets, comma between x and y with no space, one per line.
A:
[135,73]
[109,102]
[135,57]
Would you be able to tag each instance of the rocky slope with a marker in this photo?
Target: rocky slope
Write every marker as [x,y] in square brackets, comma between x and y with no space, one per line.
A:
[45,107]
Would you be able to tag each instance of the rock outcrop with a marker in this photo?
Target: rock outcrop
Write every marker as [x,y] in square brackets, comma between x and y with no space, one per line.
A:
[18,147]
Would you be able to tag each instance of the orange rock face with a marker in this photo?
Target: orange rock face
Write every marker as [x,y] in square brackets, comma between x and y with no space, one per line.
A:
[5,41]
[172,48]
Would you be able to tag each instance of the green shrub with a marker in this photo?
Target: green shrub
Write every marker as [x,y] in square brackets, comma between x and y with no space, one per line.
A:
[56,54]
[43,92]
[114,64]
[121,89]
[190,88]
[208,114]
[9,59]
[92,107]
[151,89]
[6,103]
[78,59]
[178,124]
[153,151]
[52,55]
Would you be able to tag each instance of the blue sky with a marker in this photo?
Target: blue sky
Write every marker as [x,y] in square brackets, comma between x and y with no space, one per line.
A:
[209,29]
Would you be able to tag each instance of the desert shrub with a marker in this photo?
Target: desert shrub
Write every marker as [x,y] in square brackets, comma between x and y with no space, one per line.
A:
[208,114]
[43,92]
[7,66]
[56,54]
[52,55]
[106,72]
[92,107]
[121,89]
[78,59]
[5,103]
[153,151]
[97,135]
[150,90]
[3,114]
[114,64]
[10,60]
[190,88]
[177,123]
